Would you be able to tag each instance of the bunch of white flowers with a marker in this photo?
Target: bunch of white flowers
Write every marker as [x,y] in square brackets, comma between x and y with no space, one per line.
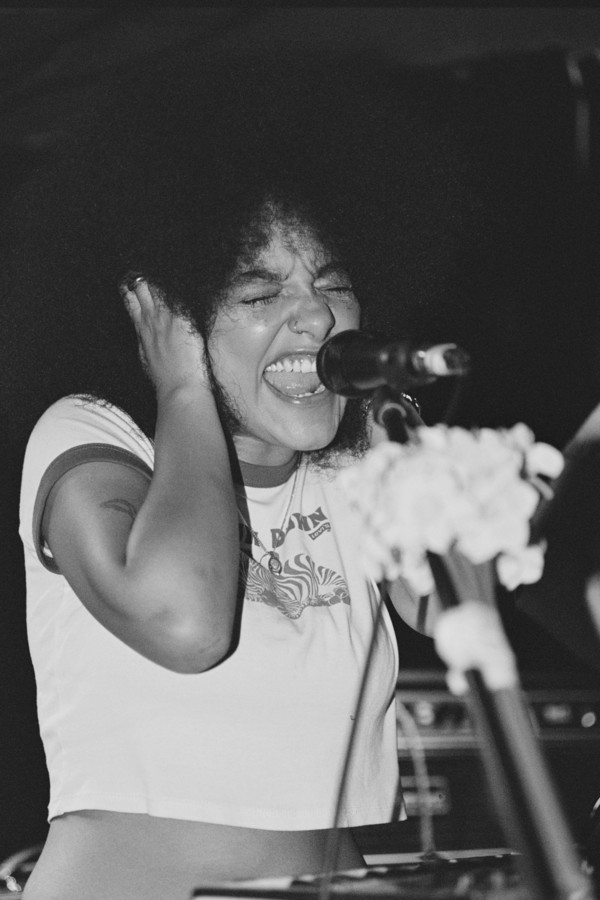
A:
[472,491]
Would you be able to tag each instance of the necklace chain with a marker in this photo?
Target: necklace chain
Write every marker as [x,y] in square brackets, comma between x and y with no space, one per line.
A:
[274,563]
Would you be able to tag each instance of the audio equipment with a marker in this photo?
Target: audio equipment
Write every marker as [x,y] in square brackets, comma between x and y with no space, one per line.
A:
[566,720]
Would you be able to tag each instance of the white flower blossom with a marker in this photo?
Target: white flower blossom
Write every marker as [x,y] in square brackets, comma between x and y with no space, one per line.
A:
[451,488]
[524,566]
[471,636]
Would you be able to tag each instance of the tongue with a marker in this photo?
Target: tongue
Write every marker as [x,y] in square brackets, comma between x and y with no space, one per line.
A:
[293,383]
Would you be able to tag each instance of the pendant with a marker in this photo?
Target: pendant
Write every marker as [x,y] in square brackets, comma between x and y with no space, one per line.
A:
[274,564]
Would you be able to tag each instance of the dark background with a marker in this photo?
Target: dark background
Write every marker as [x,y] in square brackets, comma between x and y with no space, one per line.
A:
[522,87]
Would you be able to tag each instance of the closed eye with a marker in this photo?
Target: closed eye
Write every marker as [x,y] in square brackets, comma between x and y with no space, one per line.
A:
[337,293]
[255,301]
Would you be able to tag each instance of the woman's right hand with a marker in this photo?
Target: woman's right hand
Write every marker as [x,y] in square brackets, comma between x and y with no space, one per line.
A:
[171,350]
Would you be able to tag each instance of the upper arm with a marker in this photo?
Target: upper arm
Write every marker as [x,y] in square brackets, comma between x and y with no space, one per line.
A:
[420,613]
[87,519]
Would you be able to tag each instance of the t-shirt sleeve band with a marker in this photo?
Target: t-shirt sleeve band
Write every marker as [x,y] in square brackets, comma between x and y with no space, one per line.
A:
[75,456]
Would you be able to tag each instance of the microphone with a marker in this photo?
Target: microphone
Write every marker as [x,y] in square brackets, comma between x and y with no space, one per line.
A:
[355,363]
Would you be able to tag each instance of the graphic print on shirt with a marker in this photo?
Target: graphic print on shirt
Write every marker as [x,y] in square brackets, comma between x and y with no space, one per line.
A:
[301,582]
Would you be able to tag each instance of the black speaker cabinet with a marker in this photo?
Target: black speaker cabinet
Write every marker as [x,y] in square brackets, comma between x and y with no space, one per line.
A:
[567,723]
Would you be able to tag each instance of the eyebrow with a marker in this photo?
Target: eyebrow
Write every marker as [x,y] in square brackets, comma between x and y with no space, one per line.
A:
[254,275]
[260,274]
[333,268]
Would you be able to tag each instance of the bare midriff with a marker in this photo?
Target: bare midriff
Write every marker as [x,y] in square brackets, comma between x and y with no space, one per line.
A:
[103,855]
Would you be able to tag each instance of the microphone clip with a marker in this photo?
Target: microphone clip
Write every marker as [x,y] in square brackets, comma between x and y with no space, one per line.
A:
[397,412]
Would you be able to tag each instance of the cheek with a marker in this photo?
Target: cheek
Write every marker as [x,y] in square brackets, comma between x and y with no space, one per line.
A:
[234,353]
[350,317]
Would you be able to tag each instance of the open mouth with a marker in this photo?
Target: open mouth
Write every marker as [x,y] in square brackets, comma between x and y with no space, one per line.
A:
[295,375]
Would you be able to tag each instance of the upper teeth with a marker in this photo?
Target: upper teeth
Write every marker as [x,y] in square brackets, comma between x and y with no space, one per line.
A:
[297,364]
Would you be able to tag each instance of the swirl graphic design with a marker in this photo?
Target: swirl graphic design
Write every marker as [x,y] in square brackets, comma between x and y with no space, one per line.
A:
[301,583]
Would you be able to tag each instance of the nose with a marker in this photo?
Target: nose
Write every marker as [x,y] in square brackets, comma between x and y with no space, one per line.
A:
[312,315]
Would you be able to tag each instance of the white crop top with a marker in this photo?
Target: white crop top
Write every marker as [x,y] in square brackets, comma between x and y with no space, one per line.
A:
[259,740]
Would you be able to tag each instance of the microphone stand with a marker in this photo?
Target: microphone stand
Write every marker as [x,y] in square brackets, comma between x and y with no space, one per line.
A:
[518,778]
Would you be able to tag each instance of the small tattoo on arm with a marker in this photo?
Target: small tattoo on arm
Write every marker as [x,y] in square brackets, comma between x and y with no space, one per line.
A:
[123,506]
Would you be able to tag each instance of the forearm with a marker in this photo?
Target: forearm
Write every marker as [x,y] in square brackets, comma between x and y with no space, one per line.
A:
[182,551]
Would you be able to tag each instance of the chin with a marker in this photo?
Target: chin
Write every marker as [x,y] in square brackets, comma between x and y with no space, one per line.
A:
[309,440]
[302,429]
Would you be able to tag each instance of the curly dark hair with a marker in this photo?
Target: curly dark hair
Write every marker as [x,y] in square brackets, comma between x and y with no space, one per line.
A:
[165,176]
